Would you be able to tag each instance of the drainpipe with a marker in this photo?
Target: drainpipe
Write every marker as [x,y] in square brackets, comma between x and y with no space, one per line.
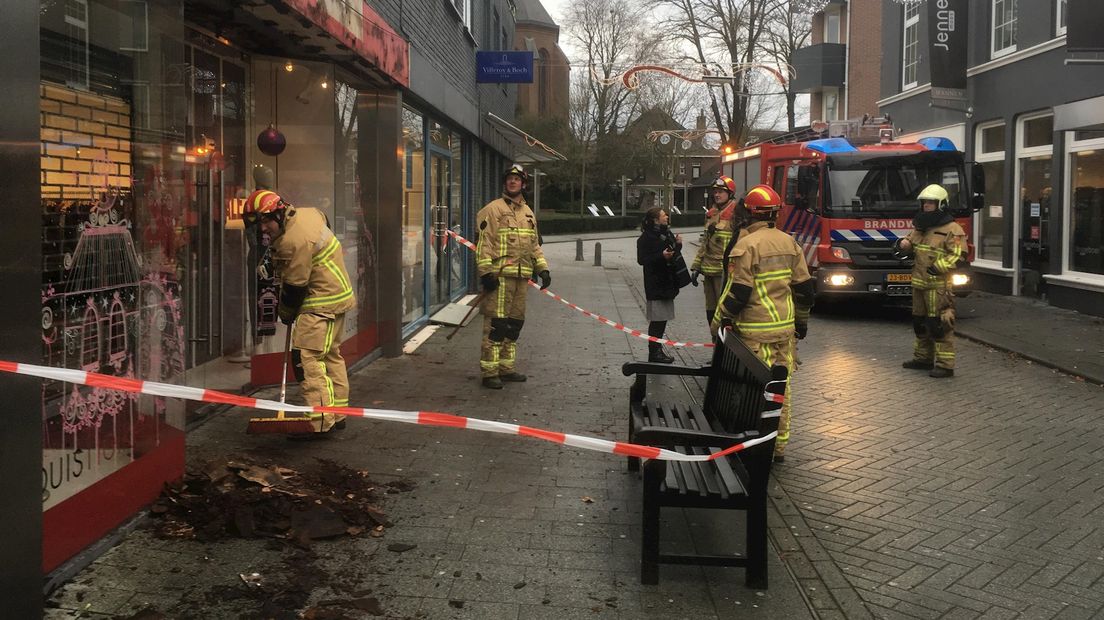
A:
[847,68]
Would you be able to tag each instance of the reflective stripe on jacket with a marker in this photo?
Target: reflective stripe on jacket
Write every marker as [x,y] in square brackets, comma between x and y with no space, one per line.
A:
[769,262]
[308,254]
[508,234]
[941,247]
[720,225]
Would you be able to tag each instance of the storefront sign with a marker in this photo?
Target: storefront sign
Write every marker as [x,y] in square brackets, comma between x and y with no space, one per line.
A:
[947,47]
[515,67]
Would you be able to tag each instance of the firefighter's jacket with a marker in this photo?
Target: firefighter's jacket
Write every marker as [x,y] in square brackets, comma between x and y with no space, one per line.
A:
[768,288]
[939,249]
[508,236]
[720,225]
[309,255]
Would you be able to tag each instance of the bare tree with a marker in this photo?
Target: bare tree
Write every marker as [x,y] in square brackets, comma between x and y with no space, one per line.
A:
[724,37]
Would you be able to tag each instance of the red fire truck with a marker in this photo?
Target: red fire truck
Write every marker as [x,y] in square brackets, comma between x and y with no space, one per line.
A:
[850,192]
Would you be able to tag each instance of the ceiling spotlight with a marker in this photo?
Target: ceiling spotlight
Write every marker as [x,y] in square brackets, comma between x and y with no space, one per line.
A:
[288,66]
[325,84]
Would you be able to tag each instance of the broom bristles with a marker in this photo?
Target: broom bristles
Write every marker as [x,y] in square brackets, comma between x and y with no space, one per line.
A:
[280,425]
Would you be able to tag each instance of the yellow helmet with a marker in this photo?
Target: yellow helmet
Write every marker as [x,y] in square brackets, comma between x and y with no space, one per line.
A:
[936,194]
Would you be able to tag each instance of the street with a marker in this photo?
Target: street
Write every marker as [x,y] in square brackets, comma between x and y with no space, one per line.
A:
[901,497]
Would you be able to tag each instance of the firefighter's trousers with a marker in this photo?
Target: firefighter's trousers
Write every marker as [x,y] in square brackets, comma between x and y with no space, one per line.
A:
[322,378]
[713,287]
[933,319]
[778,353]
[503,317]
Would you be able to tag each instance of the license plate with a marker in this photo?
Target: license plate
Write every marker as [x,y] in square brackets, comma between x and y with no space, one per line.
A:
[899,277]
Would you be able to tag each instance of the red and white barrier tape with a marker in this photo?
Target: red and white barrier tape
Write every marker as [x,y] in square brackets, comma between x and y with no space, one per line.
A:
[593,315]
[425,418]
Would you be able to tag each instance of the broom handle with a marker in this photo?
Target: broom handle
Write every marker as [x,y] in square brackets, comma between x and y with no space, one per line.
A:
[287,354]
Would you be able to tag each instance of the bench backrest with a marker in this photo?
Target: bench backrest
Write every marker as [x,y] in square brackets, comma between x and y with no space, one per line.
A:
[734,392]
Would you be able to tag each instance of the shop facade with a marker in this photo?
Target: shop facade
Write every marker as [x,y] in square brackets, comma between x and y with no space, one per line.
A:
[152,121]
[1036,124]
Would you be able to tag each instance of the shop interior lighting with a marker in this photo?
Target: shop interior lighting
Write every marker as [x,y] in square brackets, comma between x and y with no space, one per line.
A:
[289,67]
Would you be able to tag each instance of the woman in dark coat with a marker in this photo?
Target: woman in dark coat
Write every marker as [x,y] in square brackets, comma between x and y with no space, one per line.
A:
[656,247]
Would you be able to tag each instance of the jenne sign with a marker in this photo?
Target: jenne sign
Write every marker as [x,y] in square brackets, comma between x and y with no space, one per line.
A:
[514,67]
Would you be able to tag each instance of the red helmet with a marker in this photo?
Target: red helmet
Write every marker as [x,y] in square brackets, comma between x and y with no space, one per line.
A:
[725,183]
[762,200]
[263,202]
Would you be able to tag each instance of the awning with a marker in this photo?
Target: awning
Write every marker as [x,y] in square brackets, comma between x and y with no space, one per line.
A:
[527,149]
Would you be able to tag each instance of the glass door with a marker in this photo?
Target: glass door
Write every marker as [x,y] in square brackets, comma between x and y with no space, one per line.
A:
[440,261]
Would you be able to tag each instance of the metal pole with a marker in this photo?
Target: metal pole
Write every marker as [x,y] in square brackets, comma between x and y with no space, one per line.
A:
[623,198]
[598,254]
[536,191]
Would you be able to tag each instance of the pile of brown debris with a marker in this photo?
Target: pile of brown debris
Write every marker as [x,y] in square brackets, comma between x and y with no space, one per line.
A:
[247,499]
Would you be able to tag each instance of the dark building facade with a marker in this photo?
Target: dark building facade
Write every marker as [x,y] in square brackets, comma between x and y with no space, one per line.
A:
[133,134]
[1035,123]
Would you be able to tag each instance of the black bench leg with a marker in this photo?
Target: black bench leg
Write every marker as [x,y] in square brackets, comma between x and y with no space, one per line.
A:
[634,462]
[756,576]
[654,472]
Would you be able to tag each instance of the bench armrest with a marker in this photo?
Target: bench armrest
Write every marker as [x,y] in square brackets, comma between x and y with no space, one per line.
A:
[647,368]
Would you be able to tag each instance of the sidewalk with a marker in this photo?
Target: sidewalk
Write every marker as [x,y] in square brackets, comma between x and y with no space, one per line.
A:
[495,526]
[1062,339]
[507,527]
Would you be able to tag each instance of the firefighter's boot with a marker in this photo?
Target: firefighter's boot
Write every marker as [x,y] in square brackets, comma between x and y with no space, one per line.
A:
[915,364]
[493,383]
[513,377]
[941,373]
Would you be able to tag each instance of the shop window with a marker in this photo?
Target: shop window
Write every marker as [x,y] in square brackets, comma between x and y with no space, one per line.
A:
[413,216]
[1004,27]
[910,57]
[831,105]
[1086,198]
[1038,132]
[990,220]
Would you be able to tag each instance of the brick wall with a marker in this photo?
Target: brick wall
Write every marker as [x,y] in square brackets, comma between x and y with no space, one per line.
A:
[85,142]
[865,58]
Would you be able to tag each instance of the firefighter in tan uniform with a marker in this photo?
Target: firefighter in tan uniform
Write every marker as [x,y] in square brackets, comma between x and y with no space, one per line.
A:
[508,255]
[768,293]
[315,294]
[937,244]
[722,221]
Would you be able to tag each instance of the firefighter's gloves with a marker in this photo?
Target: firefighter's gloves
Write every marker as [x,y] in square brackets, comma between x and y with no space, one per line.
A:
[932,271]
[726,324]
[712,228]
[801,330]
[694,275]
[902,249]
[545,278]
[489,282]
[286,314]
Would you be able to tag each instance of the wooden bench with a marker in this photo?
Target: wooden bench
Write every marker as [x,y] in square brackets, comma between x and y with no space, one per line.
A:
[735,409]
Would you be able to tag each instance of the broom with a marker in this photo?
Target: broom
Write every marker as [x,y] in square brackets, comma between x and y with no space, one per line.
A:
[281,423]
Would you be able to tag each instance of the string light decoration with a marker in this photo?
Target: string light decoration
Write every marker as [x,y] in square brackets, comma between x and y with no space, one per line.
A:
[629,80]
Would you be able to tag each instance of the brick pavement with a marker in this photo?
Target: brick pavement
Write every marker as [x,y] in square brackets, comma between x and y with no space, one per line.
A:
[981,501]
[501,525]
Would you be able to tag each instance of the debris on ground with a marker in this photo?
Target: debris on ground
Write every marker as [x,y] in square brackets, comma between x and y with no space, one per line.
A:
[246,499]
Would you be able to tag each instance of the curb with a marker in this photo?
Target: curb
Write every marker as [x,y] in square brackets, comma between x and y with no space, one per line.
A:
[1034,358]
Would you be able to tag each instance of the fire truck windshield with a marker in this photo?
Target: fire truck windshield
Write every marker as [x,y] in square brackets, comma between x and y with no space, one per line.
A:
[888,186]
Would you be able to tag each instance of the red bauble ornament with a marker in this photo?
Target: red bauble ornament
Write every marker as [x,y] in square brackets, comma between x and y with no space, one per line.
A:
[271,141]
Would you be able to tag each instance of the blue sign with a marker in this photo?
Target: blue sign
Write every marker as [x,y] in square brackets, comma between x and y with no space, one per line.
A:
[504,67]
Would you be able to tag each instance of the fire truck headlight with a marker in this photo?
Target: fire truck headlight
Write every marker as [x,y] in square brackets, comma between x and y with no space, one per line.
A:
[840,279]
[841,253]
[959,279]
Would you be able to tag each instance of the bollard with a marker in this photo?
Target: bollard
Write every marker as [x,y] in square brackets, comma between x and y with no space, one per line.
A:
[578,249]
[598,254]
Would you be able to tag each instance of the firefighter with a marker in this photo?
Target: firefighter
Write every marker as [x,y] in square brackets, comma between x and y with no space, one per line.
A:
[768,294]
[723,219]
[507,257]
[937,243]
[315,294]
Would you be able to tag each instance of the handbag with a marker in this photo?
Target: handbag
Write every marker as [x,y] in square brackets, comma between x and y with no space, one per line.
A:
[677,265]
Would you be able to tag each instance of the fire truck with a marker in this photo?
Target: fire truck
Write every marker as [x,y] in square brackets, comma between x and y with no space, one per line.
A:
[850,191]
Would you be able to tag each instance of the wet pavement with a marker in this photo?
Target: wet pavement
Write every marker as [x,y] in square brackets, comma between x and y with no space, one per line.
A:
[902,496]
